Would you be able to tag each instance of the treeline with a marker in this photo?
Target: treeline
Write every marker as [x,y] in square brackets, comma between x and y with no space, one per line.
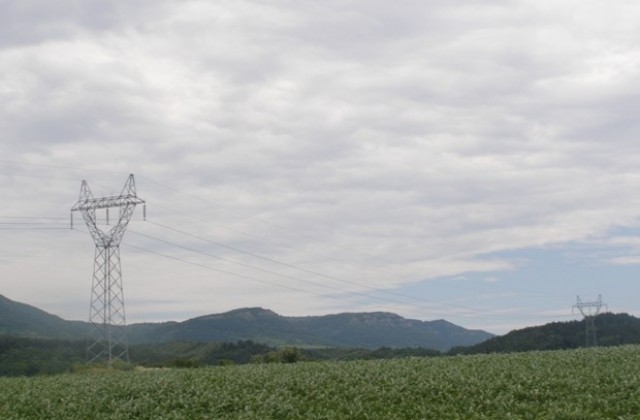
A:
[611,330]
[190,354]
[295,354]
[31,356]
[35,356]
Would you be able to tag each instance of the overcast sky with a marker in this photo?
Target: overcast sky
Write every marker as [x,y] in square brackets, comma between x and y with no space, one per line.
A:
[474,161]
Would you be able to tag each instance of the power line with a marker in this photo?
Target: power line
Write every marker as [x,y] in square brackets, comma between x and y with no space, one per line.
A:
[367,287]
[174,258]
[34,228]
[33,218]
[519,291]
[479,313]
[491,314]
[227,272]
[267,222]
[265,270]
[261,238]
[278,284]
[31,223]
[372,269]
[488,313]
[316,273]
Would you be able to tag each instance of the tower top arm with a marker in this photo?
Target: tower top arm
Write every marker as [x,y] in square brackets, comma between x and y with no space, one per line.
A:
[106,202]
[87,205]
[588,309]
[127,197]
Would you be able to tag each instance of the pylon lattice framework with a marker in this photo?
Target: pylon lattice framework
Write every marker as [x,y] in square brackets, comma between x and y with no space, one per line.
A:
[589,311]
[107,339]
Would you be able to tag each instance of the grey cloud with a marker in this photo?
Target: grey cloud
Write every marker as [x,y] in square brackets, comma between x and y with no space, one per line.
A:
[32,22]
[427,133]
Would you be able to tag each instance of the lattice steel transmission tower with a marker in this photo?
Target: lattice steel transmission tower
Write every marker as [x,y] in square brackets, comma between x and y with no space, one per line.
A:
[107,336]
[589,311]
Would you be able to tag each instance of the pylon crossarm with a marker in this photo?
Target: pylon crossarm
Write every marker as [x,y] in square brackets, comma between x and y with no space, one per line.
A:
[594,303]
[106,202]
[86,200]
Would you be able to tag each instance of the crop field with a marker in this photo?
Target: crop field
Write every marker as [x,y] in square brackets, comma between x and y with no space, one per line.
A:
[580,384]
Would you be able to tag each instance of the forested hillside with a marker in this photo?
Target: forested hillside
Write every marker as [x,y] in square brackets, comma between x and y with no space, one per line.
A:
[611,329]
[22,320]
[363,329]
[366,329]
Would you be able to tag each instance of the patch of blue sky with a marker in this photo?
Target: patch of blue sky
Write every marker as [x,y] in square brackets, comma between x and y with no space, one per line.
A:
[542,287]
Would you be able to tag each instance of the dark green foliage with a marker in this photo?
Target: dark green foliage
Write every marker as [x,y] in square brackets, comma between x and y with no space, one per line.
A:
[240,352]
[18,319]
[616,329]
[334,353]
[102,367]
[389,353]
[31,356]
[166,354]
[183,363]
[286,355]
[212,354]
[612,330]
[28,356]
[290,355]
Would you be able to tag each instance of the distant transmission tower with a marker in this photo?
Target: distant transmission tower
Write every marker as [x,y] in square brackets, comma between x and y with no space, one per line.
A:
[589,311]
[107,336]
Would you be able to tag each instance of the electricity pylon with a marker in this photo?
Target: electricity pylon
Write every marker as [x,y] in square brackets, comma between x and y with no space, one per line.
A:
[589,311]
[107,336]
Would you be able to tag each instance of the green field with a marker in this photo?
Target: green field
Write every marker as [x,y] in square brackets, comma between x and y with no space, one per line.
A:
[578,384]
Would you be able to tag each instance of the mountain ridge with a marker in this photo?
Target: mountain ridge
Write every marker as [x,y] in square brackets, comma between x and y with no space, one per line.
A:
[347,329]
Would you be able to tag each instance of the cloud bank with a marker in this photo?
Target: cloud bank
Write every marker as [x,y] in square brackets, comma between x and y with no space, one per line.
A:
[420,140]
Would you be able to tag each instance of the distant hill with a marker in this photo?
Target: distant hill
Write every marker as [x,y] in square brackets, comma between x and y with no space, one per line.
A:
[366,330]
[22,320]
[612,330]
